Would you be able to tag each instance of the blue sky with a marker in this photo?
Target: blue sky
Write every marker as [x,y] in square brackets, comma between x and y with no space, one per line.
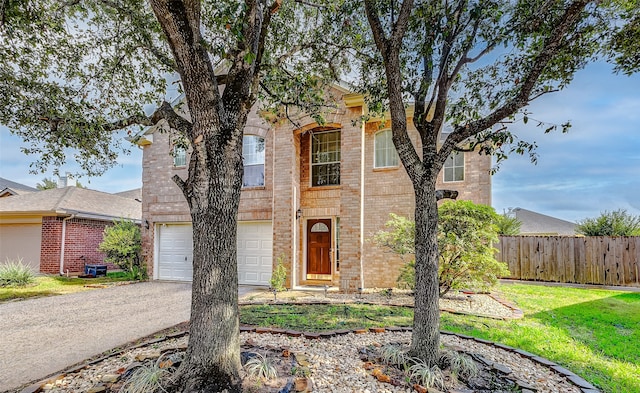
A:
[595,167]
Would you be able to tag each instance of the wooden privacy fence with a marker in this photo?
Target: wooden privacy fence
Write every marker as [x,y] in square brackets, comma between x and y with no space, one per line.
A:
[607,260]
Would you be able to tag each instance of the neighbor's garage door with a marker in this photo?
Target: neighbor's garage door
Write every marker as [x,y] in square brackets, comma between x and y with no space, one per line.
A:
[254,252]
[21,242]
[175,252]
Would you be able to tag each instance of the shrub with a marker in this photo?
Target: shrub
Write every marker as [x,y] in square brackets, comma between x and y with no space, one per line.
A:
[508,225]
[407,277]
[399,237]
[15,274]
[615,223]
[122,245]
[279,277]
[466,232]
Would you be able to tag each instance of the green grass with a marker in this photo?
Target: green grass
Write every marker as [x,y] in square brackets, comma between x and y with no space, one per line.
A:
[317,318]
[56,285]
[594,333]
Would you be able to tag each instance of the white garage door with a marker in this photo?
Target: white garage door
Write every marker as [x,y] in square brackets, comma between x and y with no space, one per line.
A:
[21,242]
[175,252]
[175,256]
[255,241]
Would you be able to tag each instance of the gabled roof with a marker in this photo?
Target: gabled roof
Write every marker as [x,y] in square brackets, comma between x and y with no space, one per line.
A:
[539,224]
[8,187]
[136,194]
[81,202]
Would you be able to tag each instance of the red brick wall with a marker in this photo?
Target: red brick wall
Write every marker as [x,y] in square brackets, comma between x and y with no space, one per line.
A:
[81,246]
[50,245]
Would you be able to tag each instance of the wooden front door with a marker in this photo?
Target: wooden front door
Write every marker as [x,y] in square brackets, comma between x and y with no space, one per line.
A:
[319,249]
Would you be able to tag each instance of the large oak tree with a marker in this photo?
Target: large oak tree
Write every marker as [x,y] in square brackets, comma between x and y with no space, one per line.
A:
[470,68]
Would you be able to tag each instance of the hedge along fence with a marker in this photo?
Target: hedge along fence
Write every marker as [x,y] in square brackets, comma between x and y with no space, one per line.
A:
[607,260]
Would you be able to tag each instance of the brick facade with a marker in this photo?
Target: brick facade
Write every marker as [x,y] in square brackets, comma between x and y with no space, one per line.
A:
[359,206]
[82,237]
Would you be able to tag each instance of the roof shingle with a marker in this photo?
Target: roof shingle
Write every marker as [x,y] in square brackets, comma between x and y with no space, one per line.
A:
[72,200]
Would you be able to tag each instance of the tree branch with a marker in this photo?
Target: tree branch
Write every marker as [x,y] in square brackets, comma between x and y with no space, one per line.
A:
[376,27]
[402,23]
[181,184]
[176,122]
[551,46]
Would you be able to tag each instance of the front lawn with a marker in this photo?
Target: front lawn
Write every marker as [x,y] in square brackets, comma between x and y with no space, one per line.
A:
[56,285]
[322,317]
[594,333]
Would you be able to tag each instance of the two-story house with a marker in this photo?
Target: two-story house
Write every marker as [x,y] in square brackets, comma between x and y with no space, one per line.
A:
[313,196]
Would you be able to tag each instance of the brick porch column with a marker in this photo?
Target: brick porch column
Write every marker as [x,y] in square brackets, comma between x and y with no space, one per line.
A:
[286,200]
[351,203]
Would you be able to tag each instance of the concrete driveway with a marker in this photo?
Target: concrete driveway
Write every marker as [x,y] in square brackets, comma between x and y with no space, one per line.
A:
[41,336]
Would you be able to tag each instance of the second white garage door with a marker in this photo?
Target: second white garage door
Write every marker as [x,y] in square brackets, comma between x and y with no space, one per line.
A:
[254,252]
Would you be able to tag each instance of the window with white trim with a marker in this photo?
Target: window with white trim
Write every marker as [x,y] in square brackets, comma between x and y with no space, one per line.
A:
[385,154]
[179,156]
[454,167]
[253,159]
[325,158]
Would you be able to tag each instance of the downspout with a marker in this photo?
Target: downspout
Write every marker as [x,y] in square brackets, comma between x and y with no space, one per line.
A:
[63,241]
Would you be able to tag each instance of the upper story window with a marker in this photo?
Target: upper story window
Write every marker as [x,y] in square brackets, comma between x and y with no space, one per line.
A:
[179,156]
[325,158]
[454,167]
[385,154]
[253,159]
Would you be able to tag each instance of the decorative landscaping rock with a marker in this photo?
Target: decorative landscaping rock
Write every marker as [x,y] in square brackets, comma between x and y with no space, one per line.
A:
[501,368]
[333,363]
[147,356]
[110,378]
[580,382]
[302,384]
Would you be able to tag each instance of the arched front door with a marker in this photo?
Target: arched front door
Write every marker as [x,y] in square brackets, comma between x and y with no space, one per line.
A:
[319,249]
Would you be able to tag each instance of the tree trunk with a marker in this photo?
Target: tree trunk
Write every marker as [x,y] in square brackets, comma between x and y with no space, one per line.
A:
[212,361]
[425,340]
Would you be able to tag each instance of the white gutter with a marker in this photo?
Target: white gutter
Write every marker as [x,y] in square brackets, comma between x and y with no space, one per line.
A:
[63,240]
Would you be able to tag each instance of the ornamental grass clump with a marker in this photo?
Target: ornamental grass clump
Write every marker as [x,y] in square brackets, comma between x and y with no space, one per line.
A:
[260,366]
[15,274]
[394,355]
[150,377]
[424,374]
[460,364]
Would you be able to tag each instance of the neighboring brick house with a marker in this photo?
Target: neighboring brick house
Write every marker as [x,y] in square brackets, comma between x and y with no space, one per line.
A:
[59,230]
[313,197]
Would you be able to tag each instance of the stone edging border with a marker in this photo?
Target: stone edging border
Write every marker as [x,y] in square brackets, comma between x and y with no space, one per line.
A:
[516,312]
[579,382]
[37,387]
